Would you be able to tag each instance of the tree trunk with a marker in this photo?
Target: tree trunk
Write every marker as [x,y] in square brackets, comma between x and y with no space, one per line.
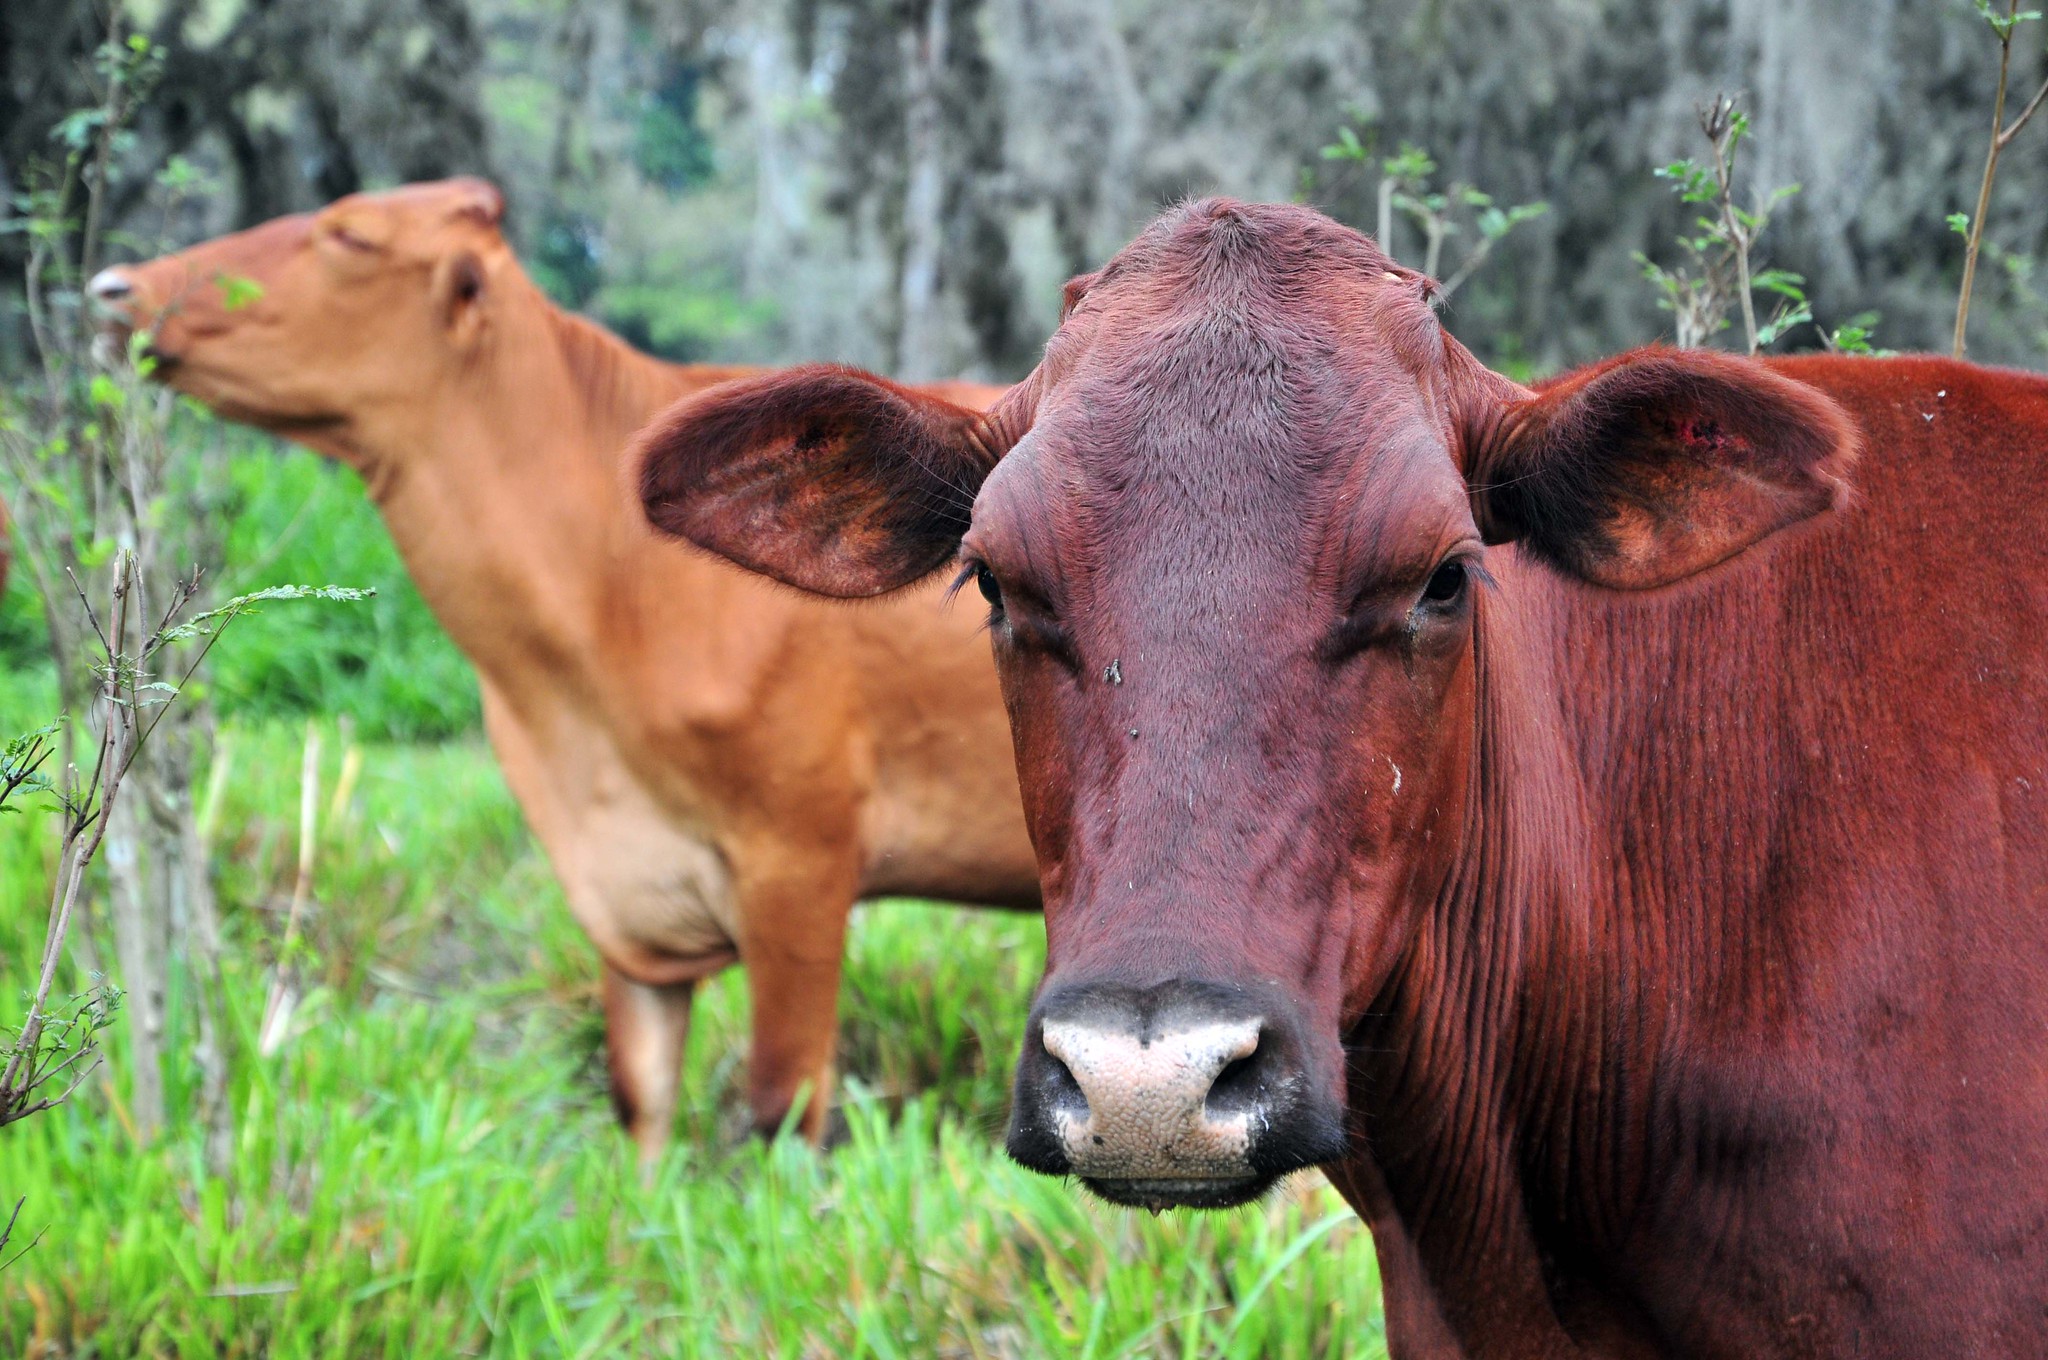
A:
[919,356]
[779,214]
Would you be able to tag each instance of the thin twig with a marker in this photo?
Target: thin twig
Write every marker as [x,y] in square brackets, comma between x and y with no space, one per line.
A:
[2000,135]
[103,151]
[23,1252]
[1716,122]
[2026,113]
[90,617]
[1467,269]
[82,842]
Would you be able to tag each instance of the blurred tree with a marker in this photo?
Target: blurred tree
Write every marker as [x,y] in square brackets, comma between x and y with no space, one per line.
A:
[293,102]
[918,173]
[905,183]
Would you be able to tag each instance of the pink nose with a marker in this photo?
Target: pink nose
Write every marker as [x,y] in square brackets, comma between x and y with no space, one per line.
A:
[110,285]
[1144,1110]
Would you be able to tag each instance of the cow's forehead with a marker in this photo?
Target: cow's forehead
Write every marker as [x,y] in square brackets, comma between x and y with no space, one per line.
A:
[1223,317]
[1223,409]
[1276,485]
[1231,386]
[471,202]
[1221,259]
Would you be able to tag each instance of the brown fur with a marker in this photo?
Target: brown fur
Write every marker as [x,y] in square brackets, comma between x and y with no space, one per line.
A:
[718,767]
[1672,905]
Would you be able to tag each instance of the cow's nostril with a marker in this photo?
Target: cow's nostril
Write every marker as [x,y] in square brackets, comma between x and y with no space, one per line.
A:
[110,285]
[1060,1086]
[1238,1086]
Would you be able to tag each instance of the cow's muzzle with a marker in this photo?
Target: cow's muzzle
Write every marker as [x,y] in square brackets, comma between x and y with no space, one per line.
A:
[1184,1093]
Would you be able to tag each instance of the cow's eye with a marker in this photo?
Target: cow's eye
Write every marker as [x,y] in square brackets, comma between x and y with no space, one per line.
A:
[1446,583]
[985,582]
[355,241]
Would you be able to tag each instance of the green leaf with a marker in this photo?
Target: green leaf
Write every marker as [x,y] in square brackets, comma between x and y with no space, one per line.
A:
[1854,336]
[1346,148]
[1783,282]
[1691,181]
[21,762]
[1412,164]
[1738,128]
[75,130]
[237,291]
[178,174]
[1959,223]
[1797,315]
[2002,25]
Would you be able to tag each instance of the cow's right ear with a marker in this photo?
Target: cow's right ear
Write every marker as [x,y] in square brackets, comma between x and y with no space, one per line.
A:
[823,477]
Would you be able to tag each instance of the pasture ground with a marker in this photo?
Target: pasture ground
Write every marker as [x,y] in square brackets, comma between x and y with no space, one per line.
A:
[429,1166]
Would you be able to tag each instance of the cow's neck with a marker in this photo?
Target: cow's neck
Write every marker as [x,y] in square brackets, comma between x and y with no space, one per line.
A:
[1489,1076]
[505,497]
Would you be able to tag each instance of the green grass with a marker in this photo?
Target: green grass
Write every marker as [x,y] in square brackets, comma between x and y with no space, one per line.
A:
[429,1166]
[292,517]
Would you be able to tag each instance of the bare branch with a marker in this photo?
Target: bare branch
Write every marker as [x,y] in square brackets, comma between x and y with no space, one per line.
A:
[2000,135]
[2013,129]
[85,601]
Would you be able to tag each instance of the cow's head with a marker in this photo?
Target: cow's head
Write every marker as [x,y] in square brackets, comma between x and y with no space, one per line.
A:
[312,322]
[1233,537]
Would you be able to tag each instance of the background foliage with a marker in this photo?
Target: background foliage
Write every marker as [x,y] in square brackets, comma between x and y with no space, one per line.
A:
[382,663]
[732,179]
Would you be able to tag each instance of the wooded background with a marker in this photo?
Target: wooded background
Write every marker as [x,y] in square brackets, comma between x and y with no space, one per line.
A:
[905,183]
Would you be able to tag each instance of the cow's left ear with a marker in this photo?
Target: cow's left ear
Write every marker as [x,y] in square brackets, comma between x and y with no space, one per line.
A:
[1653,466]
[822,477]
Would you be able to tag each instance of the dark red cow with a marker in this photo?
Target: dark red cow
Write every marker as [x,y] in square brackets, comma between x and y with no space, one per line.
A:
[1604,825]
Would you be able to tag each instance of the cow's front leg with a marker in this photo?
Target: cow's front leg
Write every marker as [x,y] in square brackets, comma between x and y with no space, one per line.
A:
[793,955]
[646,1029]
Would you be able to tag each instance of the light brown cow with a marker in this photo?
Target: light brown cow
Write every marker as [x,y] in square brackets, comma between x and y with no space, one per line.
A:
[717,766]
